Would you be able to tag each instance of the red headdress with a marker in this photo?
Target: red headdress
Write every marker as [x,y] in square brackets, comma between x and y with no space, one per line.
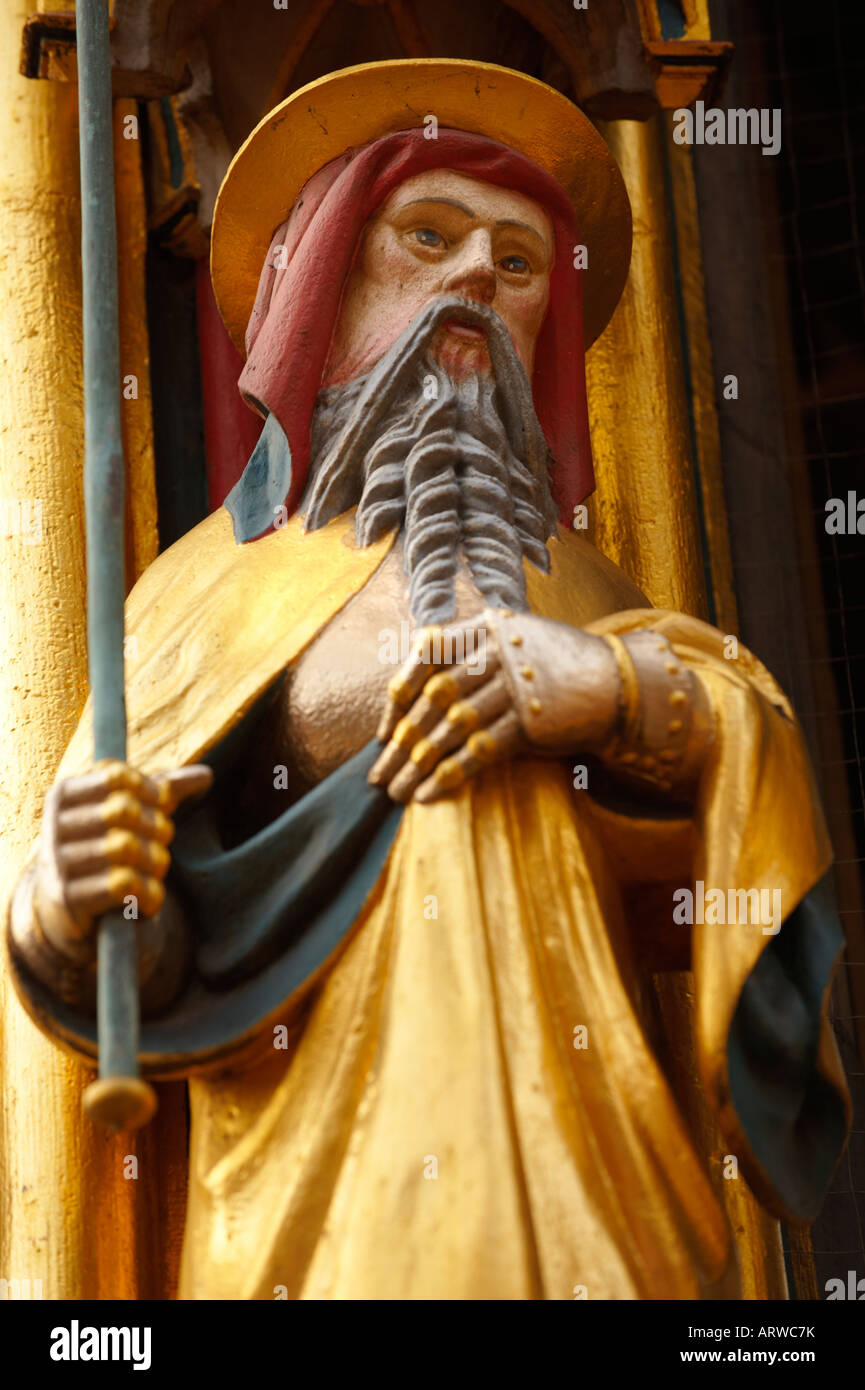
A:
[310,259]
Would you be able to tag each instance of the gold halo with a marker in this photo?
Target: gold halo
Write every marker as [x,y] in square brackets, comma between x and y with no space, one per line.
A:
[356,105]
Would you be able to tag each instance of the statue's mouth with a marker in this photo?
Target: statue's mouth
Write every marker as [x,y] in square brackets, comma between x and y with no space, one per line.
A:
[461,328]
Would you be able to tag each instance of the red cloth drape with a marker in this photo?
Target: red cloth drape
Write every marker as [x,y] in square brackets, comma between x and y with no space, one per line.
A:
[231,429]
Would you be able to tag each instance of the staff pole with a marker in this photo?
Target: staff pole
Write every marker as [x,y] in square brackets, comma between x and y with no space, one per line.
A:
[119,1099]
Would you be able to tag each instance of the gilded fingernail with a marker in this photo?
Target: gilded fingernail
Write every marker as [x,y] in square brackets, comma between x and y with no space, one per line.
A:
[463,716]
[405,735]
[159,859]
[441,690]
[482,746]
[400,691]
[424,755]
[448,775]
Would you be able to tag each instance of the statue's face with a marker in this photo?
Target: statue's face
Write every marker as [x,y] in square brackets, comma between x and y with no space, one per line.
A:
[440,233]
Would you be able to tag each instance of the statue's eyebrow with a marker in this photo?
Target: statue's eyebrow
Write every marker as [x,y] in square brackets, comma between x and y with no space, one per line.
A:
[451,202]
[504,222]
[510,222]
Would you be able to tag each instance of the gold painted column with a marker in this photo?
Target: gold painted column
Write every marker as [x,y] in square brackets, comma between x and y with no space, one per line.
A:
[644,512]
[137,416]
[644,516]
[73,1217]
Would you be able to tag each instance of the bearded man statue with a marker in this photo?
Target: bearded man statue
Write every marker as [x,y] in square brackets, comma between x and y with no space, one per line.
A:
[402,936]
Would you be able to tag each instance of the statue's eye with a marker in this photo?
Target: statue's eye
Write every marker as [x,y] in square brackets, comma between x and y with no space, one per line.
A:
[515,265]
[428,237]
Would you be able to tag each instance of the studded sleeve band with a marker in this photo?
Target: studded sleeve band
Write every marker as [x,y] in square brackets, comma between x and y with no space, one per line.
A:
[665,725]
[627,700]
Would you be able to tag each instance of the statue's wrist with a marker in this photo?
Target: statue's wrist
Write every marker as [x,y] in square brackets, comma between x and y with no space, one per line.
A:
[664,727]
[44,942]
[70,940]
[564,682]
[71,979]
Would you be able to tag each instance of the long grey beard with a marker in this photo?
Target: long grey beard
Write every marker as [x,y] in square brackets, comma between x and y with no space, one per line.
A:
[461,467]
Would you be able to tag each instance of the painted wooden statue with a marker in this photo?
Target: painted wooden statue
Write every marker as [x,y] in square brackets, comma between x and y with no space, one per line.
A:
[420,788]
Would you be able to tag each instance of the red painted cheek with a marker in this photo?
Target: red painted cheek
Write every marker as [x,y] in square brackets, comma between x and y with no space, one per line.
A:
[402,286]
[383,298]
[389,263]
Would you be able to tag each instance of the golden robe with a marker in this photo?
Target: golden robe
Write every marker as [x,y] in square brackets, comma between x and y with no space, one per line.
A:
[472,1102]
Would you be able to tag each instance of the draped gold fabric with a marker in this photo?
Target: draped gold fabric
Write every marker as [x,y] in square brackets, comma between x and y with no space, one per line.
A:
[432,1130]
[435,1133]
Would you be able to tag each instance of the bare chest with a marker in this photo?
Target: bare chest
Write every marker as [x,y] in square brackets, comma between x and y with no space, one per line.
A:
[332,701]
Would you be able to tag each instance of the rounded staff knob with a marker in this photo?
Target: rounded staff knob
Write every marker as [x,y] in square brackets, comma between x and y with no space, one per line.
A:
[120,1103]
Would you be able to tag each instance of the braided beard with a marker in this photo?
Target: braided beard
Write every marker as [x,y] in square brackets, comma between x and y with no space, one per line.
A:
[460,467]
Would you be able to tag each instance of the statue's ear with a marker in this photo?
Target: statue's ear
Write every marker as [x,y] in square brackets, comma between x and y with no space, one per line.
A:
[256,502]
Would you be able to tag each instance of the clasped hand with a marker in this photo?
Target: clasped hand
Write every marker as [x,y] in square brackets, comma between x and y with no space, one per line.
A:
[447,719]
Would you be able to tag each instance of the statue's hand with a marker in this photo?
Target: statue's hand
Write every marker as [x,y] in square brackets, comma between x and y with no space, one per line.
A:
[104,839]
[488,689]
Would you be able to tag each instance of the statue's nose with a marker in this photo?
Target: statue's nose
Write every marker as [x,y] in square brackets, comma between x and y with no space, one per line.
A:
[474,276]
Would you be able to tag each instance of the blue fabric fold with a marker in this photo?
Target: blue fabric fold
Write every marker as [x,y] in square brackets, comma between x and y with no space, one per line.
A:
[794,1119]
[291,891]
[254,501]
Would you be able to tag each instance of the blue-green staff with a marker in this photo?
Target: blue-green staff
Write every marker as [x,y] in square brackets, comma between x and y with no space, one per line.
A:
[119,1099]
